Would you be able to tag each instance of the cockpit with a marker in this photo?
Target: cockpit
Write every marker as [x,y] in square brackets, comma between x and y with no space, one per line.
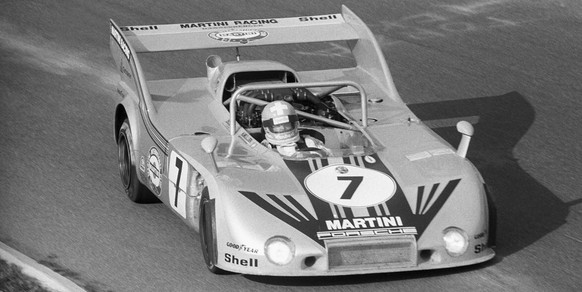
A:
[321,115]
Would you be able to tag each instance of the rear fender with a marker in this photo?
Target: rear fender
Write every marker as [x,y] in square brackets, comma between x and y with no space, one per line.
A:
[127,109]
[135,97]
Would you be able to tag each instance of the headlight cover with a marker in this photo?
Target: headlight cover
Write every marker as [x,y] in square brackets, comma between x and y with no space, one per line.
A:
[456,241]
[279,250]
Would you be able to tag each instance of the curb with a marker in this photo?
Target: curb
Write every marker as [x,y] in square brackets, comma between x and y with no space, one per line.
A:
[47,277]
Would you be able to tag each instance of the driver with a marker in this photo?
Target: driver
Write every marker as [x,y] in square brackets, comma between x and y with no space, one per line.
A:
[281,126]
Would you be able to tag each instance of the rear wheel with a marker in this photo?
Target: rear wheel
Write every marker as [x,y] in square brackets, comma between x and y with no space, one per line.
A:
[208,233]
[134,189]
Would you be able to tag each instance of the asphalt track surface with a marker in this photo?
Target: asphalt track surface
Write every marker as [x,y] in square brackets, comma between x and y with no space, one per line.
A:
[511,67]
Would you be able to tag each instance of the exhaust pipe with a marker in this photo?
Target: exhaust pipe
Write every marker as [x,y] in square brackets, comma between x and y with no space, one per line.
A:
[212,63]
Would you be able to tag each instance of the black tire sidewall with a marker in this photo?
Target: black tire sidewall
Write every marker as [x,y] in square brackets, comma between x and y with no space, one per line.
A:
[207,232]
[135,190]
[125,137]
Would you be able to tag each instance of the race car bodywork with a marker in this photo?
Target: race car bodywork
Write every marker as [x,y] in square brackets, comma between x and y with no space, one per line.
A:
[384,194]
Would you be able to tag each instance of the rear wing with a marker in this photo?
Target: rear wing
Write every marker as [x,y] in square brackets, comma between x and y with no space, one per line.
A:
[236,33]
[346,26]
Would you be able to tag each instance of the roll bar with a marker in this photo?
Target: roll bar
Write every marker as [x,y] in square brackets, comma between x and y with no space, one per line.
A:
[237,95]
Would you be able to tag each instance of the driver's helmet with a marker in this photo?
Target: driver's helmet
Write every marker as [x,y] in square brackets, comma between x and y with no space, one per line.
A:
[280,123]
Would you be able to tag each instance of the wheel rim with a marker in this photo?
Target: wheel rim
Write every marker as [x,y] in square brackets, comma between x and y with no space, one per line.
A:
[124,162]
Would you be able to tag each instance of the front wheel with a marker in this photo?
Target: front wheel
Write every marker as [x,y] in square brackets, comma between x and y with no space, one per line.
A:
[134,189]
[208,233]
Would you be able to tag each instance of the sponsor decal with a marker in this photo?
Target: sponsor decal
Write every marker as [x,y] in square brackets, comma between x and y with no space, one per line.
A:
[246,137]
[143,27]
[369,159]
[227,24]
[204,24]
[154,170]
[250,262]
[121,92]
[226,124]
[142,165]
[121,42]
[479,248]
[318,18]
[242,36]
[124,71]
[242,247]
[351,186]
[255,21]
[480,235]
[323,235]
[368,222]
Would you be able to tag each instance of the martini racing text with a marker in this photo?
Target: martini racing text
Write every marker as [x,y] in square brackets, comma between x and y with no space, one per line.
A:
[362,223]
[223,24]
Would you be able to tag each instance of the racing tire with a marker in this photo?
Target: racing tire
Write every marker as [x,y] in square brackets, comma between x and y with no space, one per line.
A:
[134,189]
[208,233]
[492,239]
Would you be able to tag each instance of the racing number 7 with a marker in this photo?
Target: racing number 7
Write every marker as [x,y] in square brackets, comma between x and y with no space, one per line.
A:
[355,181]
[178,183]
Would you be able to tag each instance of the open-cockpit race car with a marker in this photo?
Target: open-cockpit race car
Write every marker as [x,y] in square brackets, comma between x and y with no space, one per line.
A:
[295,172]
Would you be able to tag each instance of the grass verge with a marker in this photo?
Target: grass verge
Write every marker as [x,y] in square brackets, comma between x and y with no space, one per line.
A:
[12,279]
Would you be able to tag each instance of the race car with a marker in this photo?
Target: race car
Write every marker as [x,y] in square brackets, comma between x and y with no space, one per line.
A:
[290,172]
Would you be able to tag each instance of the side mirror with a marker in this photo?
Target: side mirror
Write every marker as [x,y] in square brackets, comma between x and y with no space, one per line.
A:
[467,130]
[208,144]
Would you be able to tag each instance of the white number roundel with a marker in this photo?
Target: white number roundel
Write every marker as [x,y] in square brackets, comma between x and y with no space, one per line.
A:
[351,186]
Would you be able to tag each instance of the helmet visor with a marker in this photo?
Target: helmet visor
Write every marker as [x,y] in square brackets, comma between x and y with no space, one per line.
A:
[281,124]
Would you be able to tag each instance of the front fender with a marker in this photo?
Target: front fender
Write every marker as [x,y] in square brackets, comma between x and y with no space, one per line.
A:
[467,209]
[189,171]
[243,228]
